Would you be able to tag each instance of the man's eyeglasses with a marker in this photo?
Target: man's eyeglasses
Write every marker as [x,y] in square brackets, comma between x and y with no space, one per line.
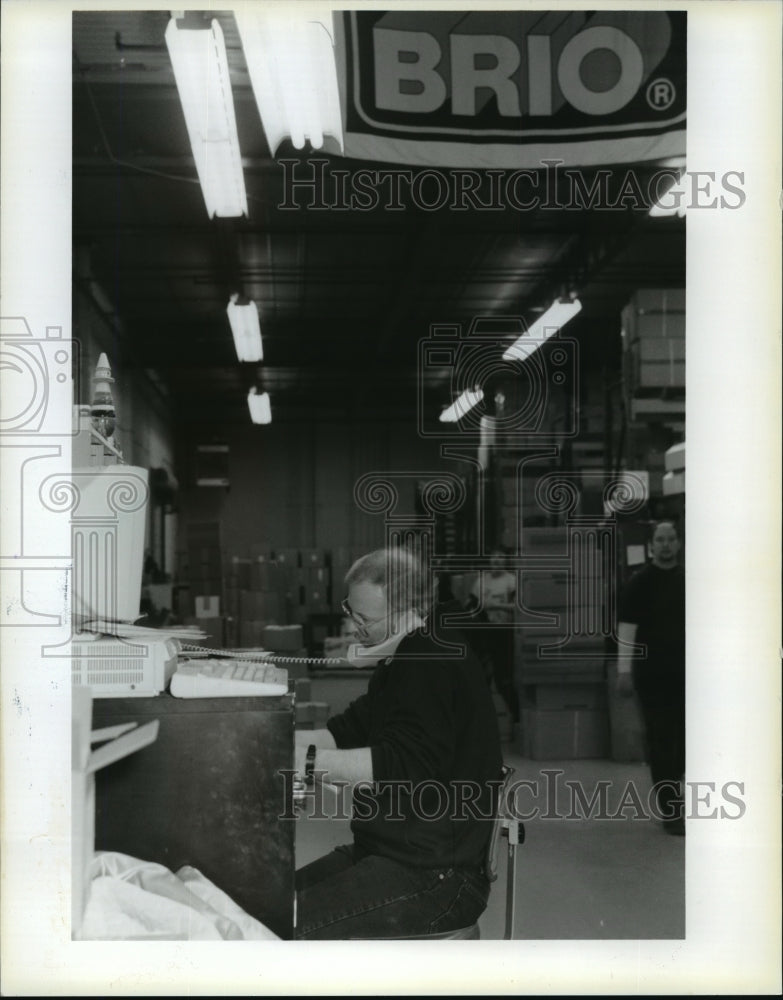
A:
[360,619]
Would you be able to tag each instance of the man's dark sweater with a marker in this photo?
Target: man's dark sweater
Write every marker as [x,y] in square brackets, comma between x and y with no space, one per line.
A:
[430,723]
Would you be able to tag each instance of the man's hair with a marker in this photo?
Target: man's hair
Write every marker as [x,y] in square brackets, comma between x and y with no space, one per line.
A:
[407,583]
[664,520]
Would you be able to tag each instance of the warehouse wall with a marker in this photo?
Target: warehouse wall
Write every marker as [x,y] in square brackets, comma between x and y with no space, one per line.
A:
[291,485]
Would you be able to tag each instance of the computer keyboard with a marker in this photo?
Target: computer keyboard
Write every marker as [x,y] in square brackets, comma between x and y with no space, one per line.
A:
[227,679]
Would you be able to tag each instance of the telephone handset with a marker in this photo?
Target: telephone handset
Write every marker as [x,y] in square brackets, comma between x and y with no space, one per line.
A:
[360,655]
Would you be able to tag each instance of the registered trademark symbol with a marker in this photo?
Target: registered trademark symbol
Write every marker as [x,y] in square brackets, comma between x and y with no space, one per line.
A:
[661,94]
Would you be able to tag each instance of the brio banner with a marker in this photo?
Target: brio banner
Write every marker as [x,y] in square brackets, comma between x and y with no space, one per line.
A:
[511,89]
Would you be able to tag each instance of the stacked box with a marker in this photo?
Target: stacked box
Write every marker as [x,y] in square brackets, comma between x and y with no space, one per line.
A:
[653,326]
[240,574]
[286,557]
[232,602]
[571,645]
[311,714]
[312,558]
[565,696]
[231,632]
[214,638]
[260,604]
[342,560]
[207,606]
[251,633]
[564,734]
[283,638]
[266,575]
[302,687]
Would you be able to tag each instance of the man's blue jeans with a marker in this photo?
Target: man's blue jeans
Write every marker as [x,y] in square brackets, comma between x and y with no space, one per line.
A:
[347,895]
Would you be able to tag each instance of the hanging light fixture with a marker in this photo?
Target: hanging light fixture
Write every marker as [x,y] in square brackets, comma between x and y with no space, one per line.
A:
[546,326]
[198,58]
[672,201]
[461,405]
[260,407]
[290,57]
[246,329]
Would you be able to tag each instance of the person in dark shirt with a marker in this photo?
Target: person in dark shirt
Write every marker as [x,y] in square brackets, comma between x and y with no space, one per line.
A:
[422,750]
[652,613]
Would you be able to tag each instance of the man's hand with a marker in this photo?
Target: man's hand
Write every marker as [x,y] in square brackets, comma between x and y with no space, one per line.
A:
[624,685]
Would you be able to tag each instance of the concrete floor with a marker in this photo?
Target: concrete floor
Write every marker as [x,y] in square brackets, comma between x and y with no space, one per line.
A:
[584,878]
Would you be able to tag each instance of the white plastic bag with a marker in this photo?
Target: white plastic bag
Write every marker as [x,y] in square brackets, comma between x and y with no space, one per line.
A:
[131,899]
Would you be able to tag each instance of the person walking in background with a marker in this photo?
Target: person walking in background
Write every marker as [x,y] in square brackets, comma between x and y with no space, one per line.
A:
[652,613]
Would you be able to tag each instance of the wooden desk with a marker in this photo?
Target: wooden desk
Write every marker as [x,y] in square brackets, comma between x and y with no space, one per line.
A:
[207,793]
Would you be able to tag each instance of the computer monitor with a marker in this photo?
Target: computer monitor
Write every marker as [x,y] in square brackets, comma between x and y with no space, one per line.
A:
[107,532]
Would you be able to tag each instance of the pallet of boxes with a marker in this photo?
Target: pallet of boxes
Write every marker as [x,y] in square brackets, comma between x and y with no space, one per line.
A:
[561,649]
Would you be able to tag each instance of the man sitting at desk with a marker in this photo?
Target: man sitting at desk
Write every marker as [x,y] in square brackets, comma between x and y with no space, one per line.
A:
[422,750]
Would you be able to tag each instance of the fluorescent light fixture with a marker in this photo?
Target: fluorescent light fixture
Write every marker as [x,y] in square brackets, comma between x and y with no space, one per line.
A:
[289,52]
[198,58]
[260,409]
[546,326]
[246,330]
[672,201]
[460,406]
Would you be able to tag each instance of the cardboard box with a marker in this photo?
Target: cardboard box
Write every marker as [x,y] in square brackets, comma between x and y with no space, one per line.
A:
[302,687]
[240,572]
[261,604]
[214,638]
[657,375]
[317,600]
[231,632]
[656,326]
[283,638]
[117,742]
[232,602]
[208,606]
[311,558]
[673,483]
[561,696]
[545,590]
[311,714]
[570,734]
[318,577]
[545,541]
[266,575]
[658,300]
[251,633]
[674,458]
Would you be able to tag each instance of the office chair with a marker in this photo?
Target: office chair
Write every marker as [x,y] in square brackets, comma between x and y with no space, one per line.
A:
[503,825]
